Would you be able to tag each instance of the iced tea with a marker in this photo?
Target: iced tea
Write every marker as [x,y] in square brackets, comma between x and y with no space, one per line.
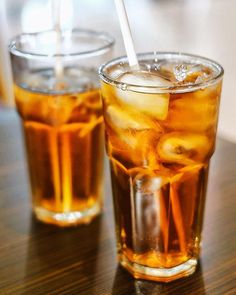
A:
[63,130]
[57,96]
[160,135]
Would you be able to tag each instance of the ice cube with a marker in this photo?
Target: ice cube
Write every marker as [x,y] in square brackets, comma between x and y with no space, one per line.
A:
[142,145]
[127,119]
[180,72]
[144,78]
[184,148]
[146,100]
[192,73]
[194,111]
[134,148]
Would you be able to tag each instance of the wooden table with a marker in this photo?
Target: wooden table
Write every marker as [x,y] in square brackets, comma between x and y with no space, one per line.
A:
[41,259]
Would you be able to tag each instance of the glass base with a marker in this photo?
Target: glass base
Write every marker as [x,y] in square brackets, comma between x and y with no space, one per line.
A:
[159,274]
[66,219]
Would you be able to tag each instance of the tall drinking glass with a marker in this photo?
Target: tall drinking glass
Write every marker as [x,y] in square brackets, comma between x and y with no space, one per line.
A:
[56,88]
[160,124]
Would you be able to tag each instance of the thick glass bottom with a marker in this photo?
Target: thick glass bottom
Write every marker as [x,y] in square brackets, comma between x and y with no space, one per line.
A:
[66,219]
[158,274]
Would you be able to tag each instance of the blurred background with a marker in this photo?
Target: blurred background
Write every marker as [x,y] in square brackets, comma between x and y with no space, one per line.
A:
[204,27]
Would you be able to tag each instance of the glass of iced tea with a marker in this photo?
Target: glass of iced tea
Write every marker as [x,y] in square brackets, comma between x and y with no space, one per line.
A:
[56,88]
[160,123]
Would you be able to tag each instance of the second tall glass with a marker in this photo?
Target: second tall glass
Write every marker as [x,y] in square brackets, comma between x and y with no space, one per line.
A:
[57,96]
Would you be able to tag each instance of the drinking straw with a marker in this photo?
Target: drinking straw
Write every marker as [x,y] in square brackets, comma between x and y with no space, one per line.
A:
[63,185]
[56,17]
[126,33]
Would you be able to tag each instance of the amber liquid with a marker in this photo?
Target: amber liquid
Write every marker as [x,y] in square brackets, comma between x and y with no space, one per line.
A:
[159,169]
[64,143]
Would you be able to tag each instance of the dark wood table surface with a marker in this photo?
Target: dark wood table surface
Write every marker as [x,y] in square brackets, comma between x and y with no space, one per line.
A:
[42,259]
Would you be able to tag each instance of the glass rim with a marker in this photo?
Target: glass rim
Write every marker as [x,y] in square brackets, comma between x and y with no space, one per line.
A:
[161,89]
[100,35]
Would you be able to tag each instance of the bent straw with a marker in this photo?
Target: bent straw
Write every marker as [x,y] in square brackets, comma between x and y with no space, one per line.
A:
[126,33]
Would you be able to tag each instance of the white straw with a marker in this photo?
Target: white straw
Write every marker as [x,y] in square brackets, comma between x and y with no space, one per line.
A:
[127,37]
[56,16]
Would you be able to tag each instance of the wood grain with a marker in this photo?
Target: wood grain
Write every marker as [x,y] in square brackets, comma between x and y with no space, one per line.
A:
[41,259]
